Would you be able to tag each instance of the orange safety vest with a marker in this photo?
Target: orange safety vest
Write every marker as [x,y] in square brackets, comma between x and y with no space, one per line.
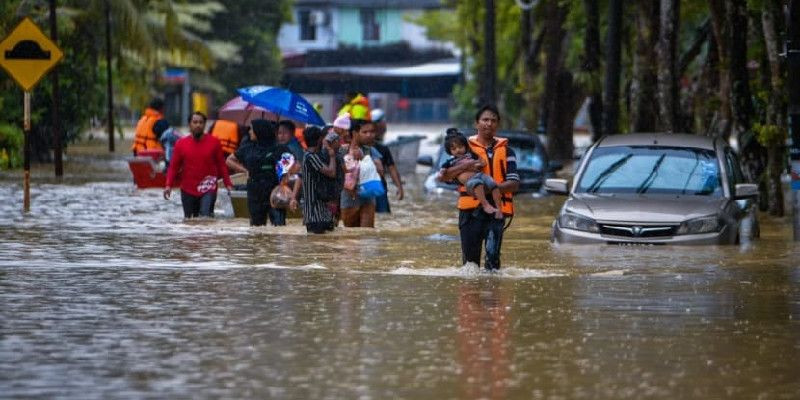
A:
[298,134]
[495,167]
[145,137]
[227,132]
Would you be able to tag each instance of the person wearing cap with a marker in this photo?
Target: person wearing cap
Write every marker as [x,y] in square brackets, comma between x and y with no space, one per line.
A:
[341,126]
[382,202]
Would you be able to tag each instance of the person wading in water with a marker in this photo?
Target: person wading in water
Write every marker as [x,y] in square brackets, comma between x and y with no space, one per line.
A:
[476,227]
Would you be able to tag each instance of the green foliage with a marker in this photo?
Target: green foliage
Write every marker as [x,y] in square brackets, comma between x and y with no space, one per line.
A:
[254,28]
[769,135]
[11,141]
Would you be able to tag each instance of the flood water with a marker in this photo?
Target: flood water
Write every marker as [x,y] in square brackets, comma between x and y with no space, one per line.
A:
[105,292]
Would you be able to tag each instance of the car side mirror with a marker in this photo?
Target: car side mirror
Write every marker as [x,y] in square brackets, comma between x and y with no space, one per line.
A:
[556,186]
[745,191]
[554,166]
[425,160]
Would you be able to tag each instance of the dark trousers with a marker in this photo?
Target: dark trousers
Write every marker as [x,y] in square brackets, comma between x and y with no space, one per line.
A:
[478,229]
[277,216]
[382,204]
[319,227]
[258,205]
[197,206]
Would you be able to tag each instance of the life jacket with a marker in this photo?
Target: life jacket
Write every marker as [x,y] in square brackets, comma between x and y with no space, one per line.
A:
[298,134]
[358,108]
[227,132]
[145,138]
[495,167]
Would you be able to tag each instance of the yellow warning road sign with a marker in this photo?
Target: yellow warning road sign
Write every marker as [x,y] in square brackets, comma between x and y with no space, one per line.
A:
[28,54]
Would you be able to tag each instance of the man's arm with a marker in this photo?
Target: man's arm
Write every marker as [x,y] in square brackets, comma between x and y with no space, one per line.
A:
[397,182]
[449,174]
[511,182]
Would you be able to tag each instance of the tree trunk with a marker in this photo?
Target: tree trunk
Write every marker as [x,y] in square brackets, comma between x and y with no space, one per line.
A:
[643,85]
[531,45]
[613,68]
[558,85]
[776,109]
[591,66]
[668,100]
[489,92]
[722,120]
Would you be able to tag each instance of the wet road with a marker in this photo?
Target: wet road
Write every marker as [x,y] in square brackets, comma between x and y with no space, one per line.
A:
[106,293]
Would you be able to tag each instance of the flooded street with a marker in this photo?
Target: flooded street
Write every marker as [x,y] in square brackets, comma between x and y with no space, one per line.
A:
[105,292]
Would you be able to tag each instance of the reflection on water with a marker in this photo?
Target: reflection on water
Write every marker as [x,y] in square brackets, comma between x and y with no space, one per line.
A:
[106,292]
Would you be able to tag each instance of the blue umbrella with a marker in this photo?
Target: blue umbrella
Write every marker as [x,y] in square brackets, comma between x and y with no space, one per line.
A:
[282,102]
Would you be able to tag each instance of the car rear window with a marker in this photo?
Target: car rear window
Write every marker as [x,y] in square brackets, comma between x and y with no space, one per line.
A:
[652,170]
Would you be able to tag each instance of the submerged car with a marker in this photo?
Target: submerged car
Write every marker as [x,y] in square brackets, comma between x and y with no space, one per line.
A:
[656,189]
[533,164]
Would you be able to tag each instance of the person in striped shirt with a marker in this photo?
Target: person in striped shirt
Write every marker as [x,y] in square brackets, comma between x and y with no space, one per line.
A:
[318,177]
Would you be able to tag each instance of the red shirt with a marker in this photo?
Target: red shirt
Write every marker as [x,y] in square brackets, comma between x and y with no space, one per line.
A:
[199,163]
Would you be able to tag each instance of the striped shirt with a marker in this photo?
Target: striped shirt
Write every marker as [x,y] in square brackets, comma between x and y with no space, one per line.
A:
[314,210]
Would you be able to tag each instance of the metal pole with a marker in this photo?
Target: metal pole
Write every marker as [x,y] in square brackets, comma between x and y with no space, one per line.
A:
[26,155]
[59,163]
[793,86]
[109,83]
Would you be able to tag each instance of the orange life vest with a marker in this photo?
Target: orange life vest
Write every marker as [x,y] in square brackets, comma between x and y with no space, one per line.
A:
[298,134]
[227,132]
[145,138]
[495,167]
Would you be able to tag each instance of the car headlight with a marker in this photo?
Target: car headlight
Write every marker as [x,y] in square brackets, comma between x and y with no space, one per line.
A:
[700,225]
[577,222]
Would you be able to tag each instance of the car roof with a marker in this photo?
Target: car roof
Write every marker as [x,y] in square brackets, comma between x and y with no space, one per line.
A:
[658,139]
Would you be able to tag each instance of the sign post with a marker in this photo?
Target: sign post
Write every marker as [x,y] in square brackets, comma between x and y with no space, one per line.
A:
[27,54]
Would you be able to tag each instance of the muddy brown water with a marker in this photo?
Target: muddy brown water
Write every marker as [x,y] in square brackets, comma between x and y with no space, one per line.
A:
[105,292]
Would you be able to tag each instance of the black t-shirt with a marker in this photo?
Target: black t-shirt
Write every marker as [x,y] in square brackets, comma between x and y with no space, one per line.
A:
[260,161]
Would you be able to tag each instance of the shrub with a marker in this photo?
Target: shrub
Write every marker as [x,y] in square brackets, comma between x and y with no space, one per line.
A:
[11,141]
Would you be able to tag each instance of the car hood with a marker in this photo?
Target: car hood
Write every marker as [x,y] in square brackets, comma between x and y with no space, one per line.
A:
[643,208]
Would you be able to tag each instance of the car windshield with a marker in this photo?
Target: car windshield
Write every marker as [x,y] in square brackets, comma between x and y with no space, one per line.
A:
[651,169]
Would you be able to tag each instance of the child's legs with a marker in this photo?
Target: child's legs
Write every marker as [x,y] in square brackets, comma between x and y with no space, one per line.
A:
[477,184]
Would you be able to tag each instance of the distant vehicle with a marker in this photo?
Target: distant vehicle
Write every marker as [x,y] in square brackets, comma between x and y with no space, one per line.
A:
[533,164]
[656,189]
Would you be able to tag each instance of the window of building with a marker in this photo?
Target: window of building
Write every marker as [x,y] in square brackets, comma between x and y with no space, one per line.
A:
[308,27]
[371,30]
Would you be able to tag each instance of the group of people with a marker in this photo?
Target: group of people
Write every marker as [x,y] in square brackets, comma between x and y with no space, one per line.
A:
[337,172]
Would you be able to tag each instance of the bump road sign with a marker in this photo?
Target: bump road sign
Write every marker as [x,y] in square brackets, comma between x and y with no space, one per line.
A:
[27,54]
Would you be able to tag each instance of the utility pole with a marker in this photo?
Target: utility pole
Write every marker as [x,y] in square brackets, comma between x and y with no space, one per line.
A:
[56,97]
[109,82]
[793,86]
[490,59]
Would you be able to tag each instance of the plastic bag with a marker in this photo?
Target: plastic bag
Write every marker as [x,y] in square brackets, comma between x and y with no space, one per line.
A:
[369,181]
[351,176]
[280,197]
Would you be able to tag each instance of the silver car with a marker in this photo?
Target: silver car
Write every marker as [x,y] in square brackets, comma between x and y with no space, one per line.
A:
[656,189]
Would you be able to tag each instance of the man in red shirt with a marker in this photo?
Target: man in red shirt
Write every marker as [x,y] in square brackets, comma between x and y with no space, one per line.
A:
[198,162]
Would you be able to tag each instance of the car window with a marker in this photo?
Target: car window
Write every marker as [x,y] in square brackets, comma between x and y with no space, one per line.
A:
[528,158]
[734,170]
[651,170]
